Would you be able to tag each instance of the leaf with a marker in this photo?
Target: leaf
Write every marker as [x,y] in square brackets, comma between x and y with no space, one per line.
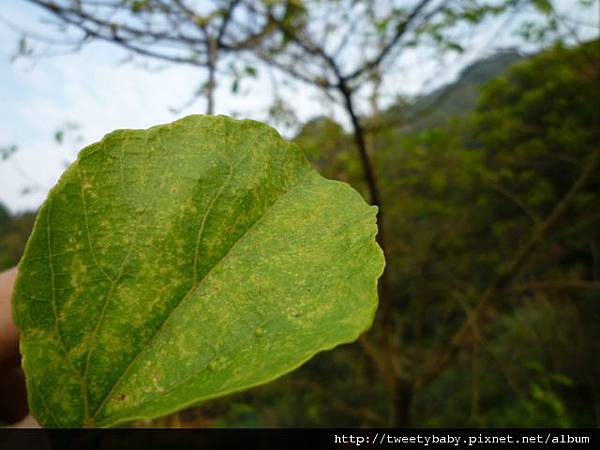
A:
[185,262]
[544,6]
[59,136]
[235,86]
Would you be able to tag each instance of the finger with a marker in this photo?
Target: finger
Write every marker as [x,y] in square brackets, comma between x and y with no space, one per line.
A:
[27,422]
[13,396]
[9,335]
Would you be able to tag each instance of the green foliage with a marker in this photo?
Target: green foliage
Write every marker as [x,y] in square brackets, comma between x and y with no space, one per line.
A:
[538,126]
[7,151]
[327,146]
[477,190]
[14,231]
[185,262]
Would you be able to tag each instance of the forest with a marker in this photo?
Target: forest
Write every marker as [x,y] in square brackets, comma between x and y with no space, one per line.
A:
[489,201]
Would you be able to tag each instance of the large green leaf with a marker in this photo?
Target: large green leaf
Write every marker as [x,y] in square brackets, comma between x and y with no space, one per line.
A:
[185,262]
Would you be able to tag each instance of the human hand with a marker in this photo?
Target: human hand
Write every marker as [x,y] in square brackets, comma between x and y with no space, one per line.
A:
[13,396]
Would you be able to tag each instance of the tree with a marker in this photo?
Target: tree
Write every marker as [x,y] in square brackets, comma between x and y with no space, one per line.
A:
[14,230]
[175,32]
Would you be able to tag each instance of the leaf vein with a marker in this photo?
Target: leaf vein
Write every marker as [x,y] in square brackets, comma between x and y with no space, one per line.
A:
[87,226]
[55,312]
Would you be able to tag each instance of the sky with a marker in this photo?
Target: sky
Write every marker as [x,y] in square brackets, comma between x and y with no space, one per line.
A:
[91,88]
[95,90]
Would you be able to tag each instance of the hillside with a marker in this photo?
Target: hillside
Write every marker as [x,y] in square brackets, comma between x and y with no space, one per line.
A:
[452,99]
